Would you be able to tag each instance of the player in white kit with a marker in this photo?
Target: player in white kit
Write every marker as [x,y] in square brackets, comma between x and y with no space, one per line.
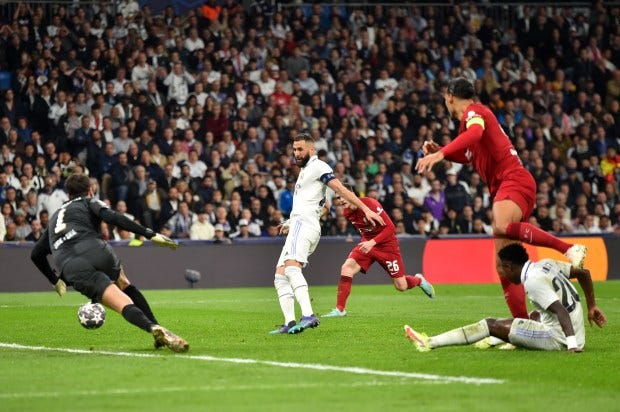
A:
[557,322]
[304,232]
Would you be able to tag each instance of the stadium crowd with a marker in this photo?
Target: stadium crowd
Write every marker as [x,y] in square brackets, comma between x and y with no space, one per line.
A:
[184,123]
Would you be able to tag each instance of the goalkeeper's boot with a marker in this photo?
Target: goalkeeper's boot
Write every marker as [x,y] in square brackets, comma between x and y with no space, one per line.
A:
[163,337]
[283,328]
[304,323]
[335,313]
[426,286]
[576,254]
[419,339]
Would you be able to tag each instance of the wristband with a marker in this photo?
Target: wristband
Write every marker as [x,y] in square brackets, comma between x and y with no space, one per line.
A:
[571,342]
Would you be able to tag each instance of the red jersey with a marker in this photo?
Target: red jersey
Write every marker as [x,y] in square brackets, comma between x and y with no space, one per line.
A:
[482,142]
[380,234]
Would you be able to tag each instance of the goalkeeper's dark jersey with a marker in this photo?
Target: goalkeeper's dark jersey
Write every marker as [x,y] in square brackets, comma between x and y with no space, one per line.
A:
[78,220]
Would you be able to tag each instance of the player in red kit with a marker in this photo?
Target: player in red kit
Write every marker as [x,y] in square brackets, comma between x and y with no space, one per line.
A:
[482,142]
[379,244]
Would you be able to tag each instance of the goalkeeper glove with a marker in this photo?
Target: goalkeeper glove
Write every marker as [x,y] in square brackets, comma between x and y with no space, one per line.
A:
[164,241]
[60,287]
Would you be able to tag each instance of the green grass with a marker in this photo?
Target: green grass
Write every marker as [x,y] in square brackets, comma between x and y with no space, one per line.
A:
[233,323]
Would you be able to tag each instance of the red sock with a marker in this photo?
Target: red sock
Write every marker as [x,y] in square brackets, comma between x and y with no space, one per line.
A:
[412,281]
[515,298]
[344,289]
[528,233]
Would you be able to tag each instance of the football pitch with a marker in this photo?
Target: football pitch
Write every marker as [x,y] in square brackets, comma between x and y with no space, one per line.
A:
[362,362]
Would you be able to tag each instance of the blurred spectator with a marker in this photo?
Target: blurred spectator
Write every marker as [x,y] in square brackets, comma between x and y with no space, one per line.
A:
[201,229]
[435,201]
[22,228]
[181,223]
[220,235]
[35,231]
[125,88]
[51,197]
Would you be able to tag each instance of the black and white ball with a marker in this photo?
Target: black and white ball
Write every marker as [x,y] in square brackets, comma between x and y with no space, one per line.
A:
[91,315]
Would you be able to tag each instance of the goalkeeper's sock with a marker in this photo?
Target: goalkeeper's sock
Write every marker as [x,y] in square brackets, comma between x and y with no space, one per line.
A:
[300,289]
[461,336]
[140,301]
[135,316]
[286,298]
[344,290]
[412,281]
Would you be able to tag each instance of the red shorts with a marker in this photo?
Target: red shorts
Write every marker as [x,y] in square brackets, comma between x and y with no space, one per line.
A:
[520,187]
[386,255]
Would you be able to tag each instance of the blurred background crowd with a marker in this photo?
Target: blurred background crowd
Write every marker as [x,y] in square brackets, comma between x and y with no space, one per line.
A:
[184,122]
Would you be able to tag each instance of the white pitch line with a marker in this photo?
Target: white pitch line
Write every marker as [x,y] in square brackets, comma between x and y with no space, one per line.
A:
[213,388]
[313,366]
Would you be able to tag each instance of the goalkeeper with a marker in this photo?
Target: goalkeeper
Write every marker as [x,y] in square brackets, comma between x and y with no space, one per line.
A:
[88,263]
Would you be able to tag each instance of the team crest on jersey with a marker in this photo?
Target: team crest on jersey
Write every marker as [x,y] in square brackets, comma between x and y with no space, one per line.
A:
[469,154]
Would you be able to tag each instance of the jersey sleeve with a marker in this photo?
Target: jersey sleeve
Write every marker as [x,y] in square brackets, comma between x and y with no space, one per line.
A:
[96,206]
[324,172]
[110,216]
[475,125]
[39,257]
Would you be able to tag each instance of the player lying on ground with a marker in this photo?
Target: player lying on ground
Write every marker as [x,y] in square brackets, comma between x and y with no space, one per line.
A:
[483,143]
[379,244]
[560,325]
[89,264]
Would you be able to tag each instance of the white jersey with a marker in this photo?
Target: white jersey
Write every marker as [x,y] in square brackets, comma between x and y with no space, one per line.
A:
[309,196]
[545,282]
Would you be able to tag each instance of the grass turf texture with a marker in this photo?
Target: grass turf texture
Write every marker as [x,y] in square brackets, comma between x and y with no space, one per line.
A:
[233,323]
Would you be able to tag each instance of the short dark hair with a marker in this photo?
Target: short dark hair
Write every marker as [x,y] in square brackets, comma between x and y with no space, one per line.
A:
[304,136]
[514,253]
[461,88]
[77,185]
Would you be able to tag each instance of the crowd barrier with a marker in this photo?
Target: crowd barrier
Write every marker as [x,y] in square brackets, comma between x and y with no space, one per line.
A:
[251,263]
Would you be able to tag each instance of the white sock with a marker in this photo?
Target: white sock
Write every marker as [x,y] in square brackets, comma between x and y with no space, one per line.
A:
[300,289]
[286,297]
[461,336]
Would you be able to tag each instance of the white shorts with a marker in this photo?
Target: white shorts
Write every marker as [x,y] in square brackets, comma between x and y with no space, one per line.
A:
[301,241]
[531,334]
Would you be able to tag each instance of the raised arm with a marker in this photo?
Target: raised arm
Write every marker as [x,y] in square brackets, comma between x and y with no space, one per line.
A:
[350,197]
[453,151]
[110,216]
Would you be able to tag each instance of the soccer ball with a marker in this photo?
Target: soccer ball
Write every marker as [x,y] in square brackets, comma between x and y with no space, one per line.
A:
[91,315]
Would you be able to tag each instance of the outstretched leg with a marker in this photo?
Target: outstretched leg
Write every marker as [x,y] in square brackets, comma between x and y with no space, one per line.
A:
[116,300]
[508,215]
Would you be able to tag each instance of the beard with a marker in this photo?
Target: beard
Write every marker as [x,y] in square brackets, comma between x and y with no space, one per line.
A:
[302,162]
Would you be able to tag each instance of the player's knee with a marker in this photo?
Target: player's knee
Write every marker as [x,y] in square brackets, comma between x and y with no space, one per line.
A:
[491,323]
[400,287]
[346,270]
[400,284]
[499,229]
